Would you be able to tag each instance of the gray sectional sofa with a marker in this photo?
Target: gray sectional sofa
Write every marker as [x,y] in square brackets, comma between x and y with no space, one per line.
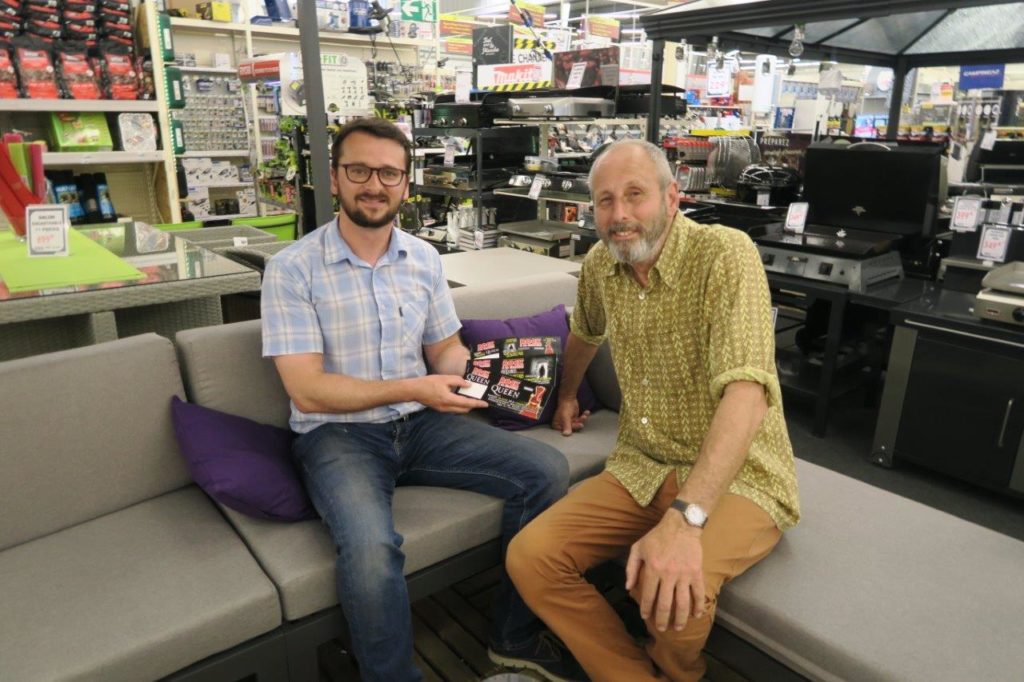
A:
[115,566]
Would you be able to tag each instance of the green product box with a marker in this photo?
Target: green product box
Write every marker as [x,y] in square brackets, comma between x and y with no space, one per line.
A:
[175,88]
[177,137]
[80,132]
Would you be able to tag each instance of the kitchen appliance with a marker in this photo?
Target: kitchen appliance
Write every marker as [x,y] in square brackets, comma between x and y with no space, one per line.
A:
[560,107]
[1002,299]
[465,176]
[449,114]
[544,237]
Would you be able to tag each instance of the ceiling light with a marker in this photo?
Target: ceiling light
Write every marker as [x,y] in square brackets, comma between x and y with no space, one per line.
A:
[796,48]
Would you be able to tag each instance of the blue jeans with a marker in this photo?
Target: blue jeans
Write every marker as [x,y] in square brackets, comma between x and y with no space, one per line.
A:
[351,471]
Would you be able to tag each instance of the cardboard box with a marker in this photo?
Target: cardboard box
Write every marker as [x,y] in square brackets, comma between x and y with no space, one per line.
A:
[80,132]
[218,11]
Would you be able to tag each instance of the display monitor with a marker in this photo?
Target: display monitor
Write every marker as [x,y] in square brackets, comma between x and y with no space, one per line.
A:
[875,187]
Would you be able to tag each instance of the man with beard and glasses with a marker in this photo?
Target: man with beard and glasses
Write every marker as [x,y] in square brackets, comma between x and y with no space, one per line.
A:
[360,323]
[701,481]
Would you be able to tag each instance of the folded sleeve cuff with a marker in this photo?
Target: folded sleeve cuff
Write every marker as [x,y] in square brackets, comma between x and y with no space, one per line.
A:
[766,379]
[591,339]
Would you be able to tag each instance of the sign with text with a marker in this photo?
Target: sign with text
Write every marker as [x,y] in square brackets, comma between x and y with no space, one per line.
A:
[966,214]
[458,45]
[796,216]
[454,25]
[597,26]
[493,75]
[979,76]
[993,244]
[47,229]
[719,82]
[535,12]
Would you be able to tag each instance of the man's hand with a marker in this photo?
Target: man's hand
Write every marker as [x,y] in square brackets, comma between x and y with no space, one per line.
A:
[666,566]
[438,392]
[567,416]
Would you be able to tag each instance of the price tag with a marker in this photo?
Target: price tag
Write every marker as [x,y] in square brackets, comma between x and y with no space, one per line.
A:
[478,238]
[240,241]
[988,141]
[966,214]
[796,216]
[576,76]
[1003,213]
[463,86]
[47,229]
[449,155]
[537,186]
[764,198]
[993,244]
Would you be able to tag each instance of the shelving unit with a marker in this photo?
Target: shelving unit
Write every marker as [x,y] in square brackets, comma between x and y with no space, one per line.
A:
[224,153]
[104,105]
[227,70]
[94,158]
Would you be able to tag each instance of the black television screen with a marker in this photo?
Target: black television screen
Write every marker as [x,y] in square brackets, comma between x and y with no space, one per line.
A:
[894,190]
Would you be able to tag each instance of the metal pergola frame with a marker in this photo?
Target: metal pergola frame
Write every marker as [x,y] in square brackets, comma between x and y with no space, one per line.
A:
[725,21]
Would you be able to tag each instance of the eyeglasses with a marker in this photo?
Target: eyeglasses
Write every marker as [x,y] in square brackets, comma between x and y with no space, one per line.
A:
[360,174]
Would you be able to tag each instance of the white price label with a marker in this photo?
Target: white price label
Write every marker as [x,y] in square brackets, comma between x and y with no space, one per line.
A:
[988,142]
[47,229]
[576,76]
[478,238]
[463,86]
[240,241]
[537,186]
[449,155]
[764,198]
[993,244]
[796,216]
[966,213]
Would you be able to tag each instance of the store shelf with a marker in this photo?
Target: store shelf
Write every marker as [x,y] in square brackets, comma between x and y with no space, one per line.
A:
[215,152]
[276,204]
[545,195]
[475,132]
[203,26]
[112,105]
[449,192]
[226,216]
[223,185]
[231,70]
[289,33]
[90,158]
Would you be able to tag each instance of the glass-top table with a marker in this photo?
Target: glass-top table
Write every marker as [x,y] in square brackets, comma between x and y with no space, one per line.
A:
[181,288]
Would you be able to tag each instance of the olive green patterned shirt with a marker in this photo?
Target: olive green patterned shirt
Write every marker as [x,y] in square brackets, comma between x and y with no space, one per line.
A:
[703,321]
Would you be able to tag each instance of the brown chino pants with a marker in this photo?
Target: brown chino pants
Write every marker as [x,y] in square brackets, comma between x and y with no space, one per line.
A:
[598,521]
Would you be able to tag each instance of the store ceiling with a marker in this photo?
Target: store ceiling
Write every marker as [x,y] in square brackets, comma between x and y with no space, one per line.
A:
[890,29]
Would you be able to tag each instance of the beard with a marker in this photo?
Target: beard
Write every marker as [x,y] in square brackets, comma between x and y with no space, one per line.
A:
[360,217]
[644,247]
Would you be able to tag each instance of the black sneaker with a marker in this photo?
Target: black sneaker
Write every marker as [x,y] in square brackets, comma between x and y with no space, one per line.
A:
[547,656]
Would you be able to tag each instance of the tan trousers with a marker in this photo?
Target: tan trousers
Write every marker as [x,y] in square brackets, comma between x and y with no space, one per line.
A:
[598,521]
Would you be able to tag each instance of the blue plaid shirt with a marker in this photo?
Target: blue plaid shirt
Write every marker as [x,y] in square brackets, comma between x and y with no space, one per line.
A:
[368,322]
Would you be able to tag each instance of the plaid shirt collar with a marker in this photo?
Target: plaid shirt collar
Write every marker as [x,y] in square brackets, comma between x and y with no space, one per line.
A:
[337,249]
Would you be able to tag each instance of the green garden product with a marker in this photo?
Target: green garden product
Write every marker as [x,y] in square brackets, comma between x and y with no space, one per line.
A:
[163,27]
[282,226]
[175,227]
[175,87]
[80,132]
[177,136]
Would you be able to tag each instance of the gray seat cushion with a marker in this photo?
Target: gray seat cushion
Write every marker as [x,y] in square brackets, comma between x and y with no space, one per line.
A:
[585,450]
[133,595]
[436,523]
[525,296]
[109,443]
[873,586]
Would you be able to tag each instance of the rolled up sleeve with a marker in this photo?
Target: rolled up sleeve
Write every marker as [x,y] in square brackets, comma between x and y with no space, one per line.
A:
[587,322]
[741,343]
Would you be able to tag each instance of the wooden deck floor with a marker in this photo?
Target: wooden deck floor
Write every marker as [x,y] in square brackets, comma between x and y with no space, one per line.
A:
[451,629]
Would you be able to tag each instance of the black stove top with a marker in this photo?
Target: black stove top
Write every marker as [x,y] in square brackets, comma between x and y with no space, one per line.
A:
[827,241]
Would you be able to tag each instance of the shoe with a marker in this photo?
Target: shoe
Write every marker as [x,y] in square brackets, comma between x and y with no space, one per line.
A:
[547,656]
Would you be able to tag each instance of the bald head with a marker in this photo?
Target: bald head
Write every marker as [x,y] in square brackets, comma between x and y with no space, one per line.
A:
[636,157]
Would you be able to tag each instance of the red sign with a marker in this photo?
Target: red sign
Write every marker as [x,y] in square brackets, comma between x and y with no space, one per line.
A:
[458,46]
[455,27]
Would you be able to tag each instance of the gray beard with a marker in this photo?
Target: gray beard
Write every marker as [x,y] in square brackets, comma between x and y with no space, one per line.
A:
[643,249]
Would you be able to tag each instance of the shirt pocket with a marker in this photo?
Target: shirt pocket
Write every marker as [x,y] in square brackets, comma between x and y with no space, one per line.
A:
[414,318]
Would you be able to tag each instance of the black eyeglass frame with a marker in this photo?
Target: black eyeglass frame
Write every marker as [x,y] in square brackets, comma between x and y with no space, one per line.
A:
[348,173]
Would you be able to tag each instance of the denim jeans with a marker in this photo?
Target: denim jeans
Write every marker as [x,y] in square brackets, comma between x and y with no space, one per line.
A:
[351,471]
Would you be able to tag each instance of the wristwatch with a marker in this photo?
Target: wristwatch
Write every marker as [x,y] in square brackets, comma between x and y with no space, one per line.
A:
[693,514]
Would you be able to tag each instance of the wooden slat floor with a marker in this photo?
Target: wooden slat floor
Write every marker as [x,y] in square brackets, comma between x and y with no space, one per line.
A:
[451,629]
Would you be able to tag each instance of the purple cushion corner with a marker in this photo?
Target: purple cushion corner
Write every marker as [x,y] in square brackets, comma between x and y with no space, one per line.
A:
[240,463]
[548,323]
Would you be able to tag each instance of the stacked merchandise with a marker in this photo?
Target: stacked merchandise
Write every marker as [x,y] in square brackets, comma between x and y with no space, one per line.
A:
[76,49]
[471,235]
[87,196]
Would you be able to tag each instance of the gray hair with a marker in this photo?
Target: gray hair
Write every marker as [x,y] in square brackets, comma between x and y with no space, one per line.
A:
[662,169]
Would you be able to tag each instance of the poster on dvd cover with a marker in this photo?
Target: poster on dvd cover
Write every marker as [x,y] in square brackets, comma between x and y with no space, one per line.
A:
[515,374]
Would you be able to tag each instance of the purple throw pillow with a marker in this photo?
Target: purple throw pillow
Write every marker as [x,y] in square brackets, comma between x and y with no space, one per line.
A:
[550,323]
[240,463]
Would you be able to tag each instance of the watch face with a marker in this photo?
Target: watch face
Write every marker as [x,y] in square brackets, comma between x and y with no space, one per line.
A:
[695,516]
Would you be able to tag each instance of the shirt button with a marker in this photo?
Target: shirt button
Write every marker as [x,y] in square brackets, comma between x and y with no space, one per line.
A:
[642,295]
[644,420]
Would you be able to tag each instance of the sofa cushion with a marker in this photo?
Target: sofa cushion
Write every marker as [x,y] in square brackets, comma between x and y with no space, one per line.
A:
[436,523]
[586,450]
[873,586]
[240,463]
[86,432]
[549,323]
[225,370]
[523,296]
[133,595]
